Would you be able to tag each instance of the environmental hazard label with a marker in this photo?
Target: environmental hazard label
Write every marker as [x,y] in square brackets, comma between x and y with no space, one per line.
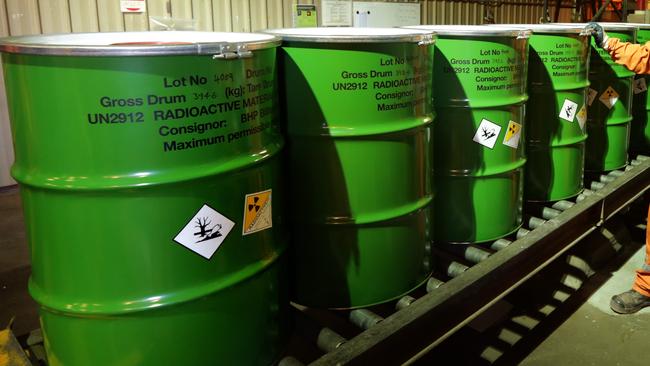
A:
[487,133]
[581,116]
[205,231]
[568,110]
[591,96]
[640,85]
[513,133]
[258,213]
[609,97]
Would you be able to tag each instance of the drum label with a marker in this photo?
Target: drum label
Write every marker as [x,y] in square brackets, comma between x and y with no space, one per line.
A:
[179,112]
[205,232]
[581,116]
[609,97]
[569,110]
[640,85]
[257,212]
[592,96]
[487,133]
[513,133]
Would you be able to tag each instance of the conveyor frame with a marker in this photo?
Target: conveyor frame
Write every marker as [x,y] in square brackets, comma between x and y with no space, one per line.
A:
[407,334]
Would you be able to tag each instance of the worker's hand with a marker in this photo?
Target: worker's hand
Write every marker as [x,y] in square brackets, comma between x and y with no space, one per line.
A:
[600,37]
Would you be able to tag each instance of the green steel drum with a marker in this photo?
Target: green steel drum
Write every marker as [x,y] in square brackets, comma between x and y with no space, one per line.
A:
[640,130]
[359,145]
[609,104]
[479,98]
[556,113]
[147,164]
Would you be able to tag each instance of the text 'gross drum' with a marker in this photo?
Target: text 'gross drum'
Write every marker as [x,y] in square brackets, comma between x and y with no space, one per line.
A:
[149,173]
[357,103]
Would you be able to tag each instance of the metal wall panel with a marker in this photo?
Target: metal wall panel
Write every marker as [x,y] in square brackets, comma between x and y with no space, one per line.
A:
[565,15]
[83,16]
[23,17]
[55,16]
[109,16]
[159,8]
[518,13]
[222,15]
[457,12]
[287,13]
[259,15]
[202,13]
[241,16]
[4,21]
[134,22]
[181,9]
[19,17]
[275,13]
[477,10]
[451,12]
[424,11]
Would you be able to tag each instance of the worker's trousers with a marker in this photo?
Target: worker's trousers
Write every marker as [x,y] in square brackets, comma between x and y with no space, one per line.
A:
[642,281]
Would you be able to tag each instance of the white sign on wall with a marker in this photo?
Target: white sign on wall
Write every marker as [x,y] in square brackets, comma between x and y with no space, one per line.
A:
[336,13]
[384,14]
[133,6]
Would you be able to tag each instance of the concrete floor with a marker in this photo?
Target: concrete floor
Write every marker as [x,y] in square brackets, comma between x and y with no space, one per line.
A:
[594,334]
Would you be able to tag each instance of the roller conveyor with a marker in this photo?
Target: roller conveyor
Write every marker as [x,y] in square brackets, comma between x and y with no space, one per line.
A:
[468,279]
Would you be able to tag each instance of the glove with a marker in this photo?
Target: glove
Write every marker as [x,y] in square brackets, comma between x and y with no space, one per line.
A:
[600,37]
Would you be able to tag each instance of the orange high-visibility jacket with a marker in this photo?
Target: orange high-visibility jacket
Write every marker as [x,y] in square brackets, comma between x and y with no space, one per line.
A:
[635,57]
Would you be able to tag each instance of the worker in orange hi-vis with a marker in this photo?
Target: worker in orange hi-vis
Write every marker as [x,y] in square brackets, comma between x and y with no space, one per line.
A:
[635,57]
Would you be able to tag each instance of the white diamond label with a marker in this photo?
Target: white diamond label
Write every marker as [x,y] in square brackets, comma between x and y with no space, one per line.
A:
[592,96]
[640,85]
[568,111]
[205,232]
[582,117]
[513,133]
[487,133]
[609,97]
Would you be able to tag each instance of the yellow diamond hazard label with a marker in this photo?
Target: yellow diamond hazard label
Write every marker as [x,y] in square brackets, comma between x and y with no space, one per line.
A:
[581,116]
[257,212]
[609,97]
[513,133]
